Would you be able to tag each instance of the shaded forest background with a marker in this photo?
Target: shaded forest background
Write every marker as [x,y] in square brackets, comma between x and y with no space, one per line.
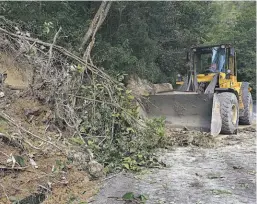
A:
[145,38]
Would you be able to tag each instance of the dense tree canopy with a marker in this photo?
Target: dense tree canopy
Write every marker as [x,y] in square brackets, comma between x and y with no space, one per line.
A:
[146,38]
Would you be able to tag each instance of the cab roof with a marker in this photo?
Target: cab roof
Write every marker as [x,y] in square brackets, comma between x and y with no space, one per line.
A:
[211,46]
[208,48]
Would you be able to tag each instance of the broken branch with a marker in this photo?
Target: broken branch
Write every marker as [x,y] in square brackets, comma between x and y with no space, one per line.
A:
[8,118]
[51,47]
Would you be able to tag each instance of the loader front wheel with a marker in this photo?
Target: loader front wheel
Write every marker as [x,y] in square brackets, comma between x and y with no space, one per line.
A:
[246,119]
[229,112]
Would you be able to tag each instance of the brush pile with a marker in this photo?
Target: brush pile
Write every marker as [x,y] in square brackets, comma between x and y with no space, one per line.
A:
[87,107]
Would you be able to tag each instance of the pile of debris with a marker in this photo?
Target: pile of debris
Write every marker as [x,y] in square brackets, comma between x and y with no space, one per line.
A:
[62,114]
[41,111]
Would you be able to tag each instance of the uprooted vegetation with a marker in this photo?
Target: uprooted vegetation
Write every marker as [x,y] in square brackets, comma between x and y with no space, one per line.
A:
[184,137]
[65,122]
[60,114]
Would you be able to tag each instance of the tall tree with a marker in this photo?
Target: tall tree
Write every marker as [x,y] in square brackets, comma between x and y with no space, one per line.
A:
[145,38]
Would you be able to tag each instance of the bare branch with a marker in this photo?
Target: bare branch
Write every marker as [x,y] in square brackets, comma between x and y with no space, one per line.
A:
[64,51]
[5,116]
[92,25]
[51,47]
[95,25]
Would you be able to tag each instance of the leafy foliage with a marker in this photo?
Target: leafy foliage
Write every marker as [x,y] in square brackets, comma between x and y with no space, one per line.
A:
[113,129]
[131,197]
[146,38]
[235,22]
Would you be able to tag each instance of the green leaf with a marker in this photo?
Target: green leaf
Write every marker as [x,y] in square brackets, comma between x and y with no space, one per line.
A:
[131,97]
[20,160]
[129,129]
[77,140]
[127,159]
[128,196]
[126,165]
[89,142]
[142,197]
[128,91]
[115,114]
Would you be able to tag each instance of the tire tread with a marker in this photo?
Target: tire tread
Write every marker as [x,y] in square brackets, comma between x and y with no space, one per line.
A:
[225,99]
[246,119]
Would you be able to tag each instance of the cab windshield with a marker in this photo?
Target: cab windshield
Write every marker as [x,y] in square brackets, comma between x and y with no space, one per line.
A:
[210,60]
[218,59]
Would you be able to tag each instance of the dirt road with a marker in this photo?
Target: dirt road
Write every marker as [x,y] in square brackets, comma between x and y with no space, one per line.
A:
[224,174]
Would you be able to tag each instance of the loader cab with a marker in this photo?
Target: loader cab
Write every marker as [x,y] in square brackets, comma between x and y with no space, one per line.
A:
[205,62]
[209,60]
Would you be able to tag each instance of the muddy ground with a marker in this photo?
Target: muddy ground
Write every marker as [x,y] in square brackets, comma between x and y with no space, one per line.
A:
[224,173]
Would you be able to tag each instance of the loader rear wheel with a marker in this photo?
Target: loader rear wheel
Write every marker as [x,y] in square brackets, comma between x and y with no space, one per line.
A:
[229,112]
[247,118]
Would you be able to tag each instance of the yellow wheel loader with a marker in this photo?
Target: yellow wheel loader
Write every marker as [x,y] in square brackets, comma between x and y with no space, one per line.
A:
[209,97]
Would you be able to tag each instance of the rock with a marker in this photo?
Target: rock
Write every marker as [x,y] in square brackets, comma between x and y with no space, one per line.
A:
[2,94]
[140,87]
[33,111]
[95,169]
[185,128]
[164,87]
[79,158]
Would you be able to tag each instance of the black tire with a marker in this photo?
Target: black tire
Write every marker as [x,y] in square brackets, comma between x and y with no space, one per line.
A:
[247,118]
[229,112]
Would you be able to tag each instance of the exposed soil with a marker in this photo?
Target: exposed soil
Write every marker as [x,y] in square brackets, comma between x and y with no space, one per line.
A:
[56,176]
[55,179]
[19,74]
[222,173]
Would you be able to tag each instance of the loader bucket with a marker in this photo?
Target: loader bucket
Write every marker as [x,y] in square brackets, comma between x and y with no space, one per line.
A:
[185,109]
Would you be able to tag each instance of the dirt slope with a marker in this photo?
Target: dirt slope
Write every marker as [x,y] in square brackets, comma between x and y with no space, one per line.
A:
[223,174]
[19,74]
[26,135]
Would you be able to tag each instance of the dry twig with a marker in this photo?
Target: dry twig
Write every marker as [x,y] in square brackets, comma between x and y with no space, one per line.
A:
[8,118]
[6,194]
[51,47]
